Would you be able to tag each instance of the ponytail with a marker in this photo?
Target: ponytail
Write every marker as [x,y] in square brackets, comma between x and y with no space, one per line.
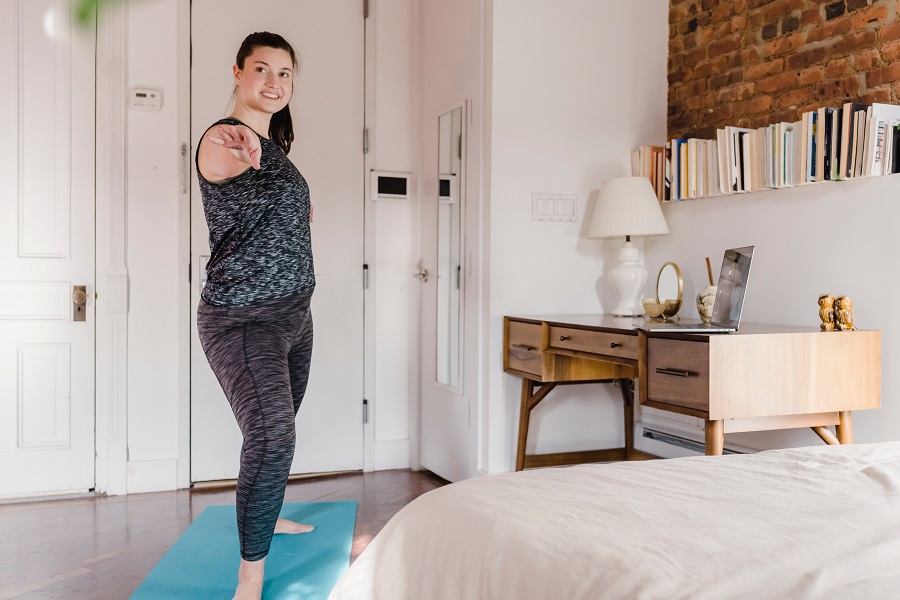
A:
[281,129]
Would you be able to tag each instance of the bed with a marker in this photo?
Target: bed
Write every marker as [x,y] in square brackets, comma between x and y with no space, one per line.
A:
[801,523]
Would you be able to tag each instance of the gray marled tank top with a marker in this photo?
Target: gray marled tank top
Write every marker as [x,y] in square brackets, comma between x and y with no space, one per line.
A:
[259,239]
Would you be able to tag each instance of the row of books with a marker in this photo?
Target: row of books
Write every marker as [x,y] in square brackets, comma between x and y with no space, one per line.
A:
[827,144]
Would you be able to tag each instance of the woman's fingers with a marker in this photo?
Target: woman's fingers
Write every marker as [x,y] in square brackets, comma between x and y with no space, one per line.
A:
[242,142]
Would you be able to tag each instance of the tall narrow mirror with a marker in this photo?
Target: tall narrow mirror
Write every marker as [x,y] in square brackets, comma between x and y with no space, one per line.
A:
[449,252]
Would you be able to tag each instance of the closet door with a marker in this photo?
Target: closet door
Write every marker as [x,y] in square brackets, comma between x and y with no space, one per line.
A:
[46,250]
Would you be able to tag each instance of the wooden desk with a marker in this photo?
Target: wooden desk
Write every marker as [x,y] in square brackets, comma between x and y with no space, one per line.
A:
[762,377]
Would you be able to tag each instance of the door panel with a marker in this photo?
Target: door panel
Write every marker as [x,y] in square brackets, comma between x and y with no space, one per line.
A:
[446,432]
[327,111]
[46,247]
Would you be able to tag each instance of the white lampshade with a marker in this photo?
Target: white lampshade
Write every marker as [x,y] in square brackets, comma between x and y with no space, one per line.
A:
[627,206]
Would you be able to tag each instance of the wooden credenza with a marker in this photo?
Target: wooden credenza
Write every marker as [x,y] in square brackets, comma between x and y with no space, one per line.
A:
[761,377]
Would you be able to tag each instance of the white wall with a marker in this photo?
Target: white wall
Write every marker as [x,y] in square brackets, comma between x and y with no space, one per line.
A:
[575,87]
[832,238]
[157,250]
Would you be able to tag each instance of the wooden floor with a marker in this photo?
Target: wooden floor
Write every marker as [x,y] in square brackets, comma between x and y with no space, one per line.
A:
[101,548]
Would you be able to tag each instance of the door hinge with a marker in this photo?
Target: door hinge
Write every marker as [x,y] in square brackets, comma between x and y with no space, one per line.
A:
[365,411]
[365,277]
[365,9]
[365,141]
[189,272]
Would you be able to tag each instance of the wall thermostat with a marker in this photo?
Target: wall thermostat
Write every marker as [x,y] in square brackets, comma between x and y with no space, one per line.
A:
[143,99]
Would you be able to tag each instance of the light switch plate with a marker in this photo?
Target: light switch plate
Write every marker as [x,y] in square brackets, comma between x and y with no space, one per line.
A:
[553,207]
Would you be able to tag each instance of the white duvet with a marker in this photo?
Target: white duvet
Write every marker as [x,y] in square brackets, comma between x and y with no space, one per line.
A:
[820,522]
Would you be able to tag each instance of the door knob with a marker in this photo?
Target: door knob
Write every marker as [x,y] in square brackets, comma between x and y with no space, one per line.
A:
[422,275]
[79,300]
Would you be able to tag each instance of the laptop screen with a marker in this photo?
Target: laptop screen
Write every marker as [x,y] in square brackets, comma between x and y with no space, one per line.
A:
[732,286]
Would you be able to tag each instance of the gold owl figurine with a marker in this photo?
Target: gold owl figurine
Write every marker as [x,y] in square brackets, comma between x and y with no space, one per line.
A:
[826,312]
[843,313]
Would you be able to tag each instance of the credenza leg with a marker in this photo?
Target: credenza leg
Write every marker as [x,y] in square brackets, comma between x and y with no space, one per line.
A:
[524,418]
[715,437]
[626,386]
[826,435]
[844,428]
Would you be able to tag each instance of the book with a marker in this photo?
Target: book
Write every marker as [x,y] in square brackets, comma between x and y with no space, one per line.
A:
[844,153]
[824,118]
[889,146]
[896,141]
[734,147]
[834,147]
[797,158]
[875,146]
[858,141]
[724,165]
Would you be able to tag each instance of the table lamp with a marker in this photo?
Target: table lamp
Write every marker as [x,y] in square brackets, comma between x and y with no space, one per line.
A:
[627,206]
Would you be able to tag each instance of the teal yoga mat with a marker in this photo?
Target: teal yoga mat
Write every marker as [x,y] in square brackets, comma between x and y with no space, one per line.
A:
[203,563]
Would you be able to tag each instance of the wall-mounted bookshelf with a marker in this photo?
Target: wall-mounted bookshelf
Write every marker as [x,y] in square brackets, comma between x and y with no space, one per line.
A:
[826,144]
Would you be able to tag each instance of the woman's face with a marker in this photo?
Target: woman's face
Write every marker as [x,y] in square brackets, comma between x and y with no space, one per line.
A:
[267,80]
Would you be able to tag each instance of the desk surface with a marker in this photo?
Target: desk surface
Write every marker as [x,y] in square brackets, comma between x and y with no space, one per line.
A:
[630,324]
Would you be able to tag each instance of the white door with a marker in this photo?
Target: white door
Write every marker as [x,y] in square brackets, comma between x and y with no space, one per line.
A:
[327,111]
[446,419]
[46,248]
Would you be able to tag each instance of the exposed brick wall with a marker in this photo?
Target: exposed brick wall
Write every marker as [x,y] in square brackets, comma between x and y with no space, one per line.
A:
[754,62]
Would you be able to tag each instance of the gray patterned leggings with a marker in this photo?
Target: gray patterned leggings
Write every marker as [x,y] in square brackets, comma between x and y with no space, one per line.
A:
[261,355]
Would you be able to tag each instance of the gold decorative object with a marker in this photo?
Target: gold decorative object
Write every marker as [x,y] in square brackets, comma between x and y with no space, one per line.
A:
[826,312]
[843,313]
[671,306]
[653,308]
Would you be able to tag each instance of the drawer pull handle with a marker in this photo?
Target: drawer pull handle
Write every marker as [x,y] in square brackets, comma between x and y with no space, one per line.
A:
[675,372]
[614,345]
[523,347]
[563,338]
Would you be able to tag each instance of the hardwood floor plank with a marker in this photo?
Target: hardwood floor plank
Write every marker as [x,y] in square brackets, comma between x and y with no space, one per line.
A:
[101,547]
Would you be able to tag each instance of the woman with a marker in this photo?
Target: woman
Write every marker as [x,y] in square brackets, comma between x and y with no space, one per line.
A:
[254,317]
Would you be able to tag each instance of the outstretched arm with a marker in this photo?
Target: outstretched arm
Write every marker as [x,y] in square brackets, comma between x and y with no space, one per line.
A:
[231,149]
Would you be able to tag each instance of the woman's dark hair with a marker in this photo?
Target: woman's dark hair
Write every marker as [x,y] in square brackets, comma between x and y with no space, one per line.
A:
[281,127]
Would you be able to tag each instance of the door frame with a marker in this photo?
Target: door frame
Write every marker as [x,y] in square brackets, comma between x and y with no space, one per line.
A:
[111,269]
[112,276]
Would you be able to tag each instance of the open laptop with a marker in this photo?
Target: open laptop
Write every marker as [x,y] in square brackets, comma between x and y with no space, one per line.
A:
[729,302]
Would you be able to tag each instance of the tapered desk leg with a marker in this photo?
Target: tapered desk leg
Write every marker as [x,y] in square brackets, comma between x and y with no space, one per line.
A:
[715,437]
[844,428]
[626,386]
[524,418]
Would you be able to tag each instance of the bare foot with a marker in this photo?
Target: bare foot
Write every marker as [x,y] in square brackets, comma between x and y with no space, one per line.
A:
[250,580]
[248,590]
[285,526]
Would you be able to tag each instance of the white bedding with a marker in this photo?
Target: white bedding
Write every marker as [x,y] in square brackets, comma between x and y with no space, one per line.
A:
[803,523]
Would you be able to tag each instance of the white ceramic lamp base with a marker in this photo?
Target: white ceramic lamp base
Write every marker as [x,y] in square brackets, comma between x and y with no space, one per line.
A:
[627,280]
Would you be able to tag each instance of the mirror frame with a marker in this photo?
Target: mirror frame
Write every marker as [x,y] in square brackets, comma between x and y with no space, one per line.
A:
[672,311]
[461,201]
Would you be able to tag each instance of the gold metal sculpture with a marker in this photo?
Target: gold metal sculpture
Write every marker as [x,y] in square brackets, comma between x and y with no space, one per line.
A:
[826,312]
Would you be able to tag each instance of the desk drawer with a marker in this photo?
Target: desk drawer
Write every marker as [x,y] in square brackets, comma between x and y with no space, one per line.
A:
[595,342]
[524,347]
[678,372]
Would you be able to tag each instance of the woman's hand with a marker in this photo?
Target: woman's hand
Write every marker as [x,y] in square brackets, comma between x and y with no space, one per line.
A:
[241,140]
